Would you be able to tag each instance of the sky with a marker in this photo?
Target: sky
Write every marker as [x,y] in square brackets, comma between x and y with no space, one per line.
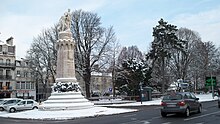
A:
[132,20]
[91,112]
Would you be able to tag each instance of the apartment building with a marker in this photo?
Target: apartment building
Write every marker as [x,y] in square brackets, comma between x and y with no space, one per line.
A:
[25,80]
[16,78]
[101,82]
[7,68]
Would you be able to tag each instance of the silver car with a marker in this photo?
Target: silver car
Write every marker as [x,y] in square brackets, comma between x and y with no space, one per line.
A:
[180,102]
[26,104]
[8,101]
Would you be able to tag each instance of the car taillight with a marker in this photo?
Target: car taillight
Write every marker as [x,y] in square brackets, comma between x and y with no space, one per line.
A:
[181,103]
[163,104]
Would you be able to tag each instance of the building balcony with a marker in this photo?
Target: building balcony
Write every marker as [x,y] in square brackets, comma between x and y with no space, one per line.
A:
[7,65]
[4,88]
[5,77]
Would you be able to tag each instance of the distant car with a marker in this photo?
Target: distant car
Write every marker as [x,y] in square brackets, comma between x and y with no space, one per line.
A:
[8,101]
[180,103]
[26,104]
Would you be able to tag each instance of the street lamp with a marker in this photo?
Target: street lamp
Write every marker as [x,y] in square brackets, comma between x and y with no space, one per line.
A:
[141,89]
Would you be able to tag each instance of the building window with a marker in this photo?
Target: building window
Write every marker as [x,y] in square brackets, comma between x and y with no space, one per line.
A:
[11,49]
[0,48]
[18,73]
[8,74]
[25,74]
[1,71]
[32,74]
[18,63]
[8,61]
[8,85]
[22,85]
[1,85]
[18,85]
[1,61]
[32,85]
[28,85]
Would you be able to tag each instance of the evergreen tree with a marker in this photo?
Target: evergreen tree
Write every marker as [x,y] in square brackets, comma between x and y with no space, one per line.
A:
[165,40]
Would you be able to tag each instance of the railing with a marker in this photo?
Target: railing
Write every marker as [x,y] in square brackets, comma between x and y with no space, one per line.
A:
[7,64]
[6,88]
[5,77]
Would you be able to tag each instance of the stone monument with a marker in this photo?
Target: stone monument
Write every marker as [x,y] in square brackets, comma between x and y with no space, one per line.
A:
[66,94]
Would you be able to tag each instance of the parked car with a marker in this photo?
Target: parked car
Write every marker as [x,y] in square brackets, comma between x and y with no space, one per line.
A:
[8,101]
[180,102]
[26,104]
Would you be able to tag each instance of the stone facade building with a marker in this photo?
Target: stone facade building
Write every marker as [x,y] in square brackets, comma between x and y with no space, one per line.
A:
[25,80]
[7,68]
[101,83]
[15,77]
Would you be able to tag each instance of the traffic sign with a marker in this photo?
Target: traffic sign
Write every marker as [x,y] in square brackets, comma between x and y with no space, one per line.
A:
[209,81]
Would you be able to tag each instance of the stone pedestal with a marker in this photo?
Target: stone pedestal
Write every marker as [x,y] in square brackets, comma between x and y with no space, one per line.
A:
[65,58]
[66,101]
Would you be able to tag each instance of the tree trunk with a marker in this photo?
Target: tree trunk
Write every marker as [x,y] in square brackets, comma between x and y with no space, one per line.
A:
[87,78]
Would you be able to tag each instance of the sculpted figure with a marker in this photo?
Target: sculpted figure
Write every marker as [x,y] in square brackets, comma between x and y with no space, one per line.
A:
[65,21]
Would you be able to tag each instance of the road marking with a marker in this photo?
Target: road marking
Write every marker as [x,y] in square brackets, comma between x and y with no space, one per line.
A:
[201,116]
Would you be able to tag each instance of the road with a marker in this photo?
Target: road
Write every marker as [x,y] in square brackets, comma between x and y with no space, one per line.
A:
[146,115]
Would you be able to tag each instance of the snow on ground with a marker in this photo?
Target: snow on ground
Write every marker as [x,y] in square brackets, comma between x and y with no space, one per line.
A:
[91,112]
[65,114]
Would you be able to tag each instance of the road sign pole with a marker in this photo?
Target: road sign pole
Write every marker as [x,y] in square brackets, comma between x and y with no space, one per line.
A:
[212,87]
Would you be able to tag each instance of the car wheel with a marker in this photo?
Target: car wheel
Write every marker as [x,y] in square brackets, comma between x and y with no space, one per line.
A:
[200,109]
[35,107]
[12,110]
[163,114]
[1,109]
[187,112]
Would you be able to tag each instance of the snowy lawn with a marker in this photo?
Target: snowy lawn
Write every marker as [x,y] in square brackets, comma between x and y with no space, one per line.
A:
[91,112]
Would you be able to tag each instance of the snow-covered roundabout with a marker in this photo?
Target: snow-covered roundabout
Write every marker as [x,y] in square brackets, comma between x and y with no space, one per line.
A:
[67,114]
[89,112]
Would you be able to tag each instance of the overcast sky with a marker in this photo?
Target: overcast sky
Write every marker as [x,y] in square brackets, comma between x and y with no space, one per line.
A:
[132,20]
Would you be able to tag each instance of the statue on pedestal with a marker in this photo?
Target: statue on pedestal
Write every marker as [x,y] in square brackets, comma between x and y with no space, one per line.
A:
[66,93]
[65,22]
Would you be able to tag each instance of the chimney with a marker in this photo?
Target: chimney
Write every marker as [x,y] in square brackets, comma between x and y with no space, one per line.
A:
[10,41]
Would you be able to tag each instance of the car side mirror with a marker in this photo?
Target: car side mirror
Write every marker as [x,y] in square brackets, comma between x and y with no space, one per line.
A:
[197,98]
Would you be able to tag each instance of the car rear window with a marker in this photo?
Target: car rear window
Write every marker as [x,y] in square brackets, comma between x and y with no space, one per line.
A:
[173,97]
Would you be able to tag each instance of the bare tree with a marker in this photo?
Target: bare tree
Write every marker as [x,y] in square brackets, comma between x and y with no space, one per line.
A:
[131,52]
[181,60]
[92,43]
[42,55]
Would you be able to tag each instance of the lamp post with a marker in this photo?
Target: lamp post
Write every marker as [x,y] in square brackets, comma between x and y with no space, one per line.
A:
[141,89]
